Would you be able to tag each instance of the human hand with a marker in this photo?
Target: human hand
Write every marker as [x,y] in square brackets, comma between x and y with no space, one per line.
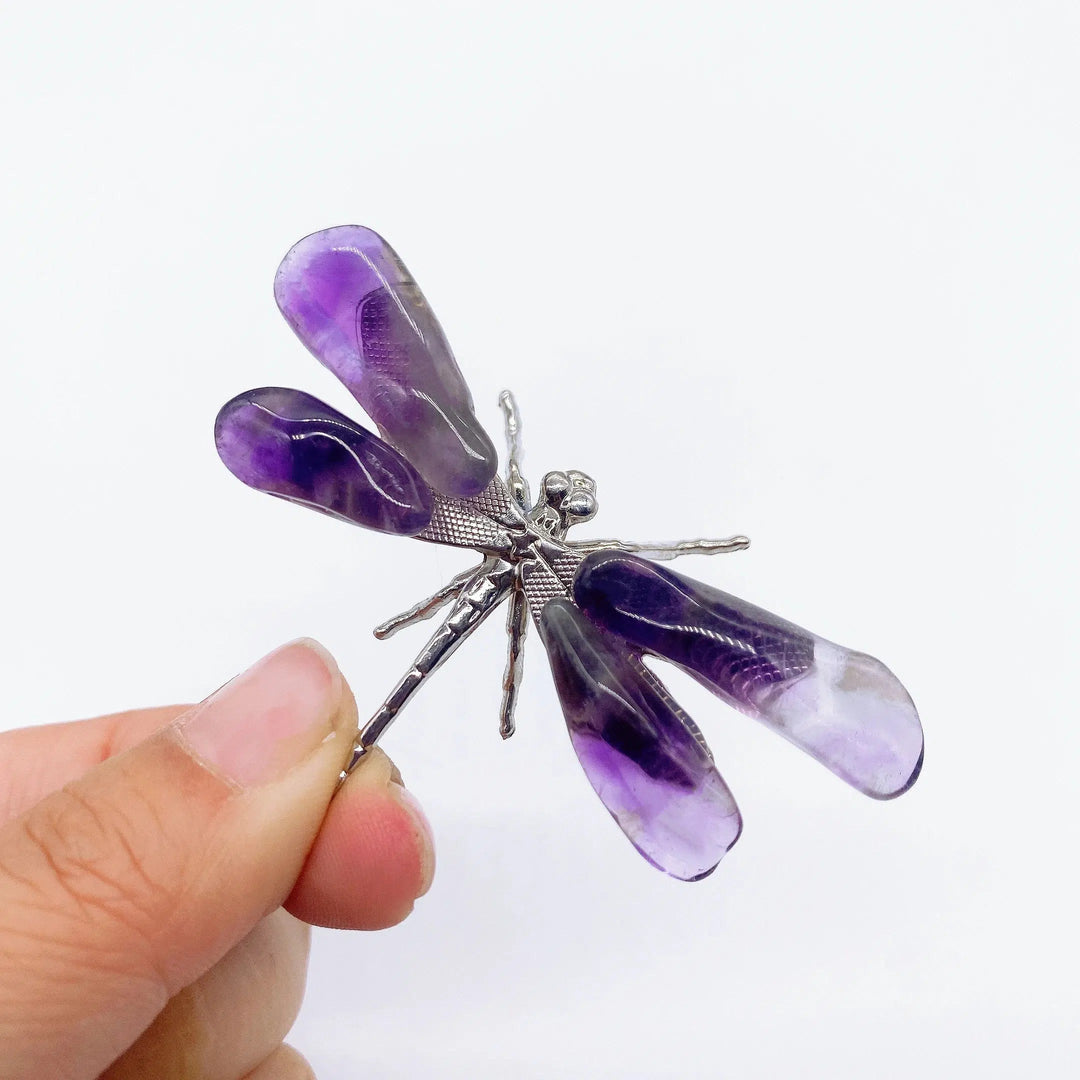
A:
[159,869]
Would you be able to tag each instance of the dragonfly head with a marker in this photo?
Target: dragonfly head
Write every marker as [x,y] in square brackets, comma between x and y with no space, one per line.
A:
[571,495]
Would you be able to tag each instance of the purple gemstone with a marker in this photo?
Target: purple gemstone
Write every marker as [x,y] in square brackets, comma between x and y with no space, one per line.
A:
[290,444]
[844,708]
[642,754]
[352,302]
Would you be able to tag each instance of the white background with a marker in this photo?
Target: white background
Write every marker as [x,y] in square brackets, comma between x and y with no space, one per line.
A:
[808,272]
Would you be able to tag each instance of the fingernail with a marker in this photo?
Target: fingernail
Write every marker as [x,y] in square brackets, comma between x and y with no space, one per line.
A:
[424,838]
[262,723]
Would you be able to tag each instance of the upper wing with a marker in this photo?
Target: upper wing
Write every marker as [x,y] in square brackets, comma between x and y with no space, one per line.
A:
[844,708]
[353,303]
[351,300]
[292,445]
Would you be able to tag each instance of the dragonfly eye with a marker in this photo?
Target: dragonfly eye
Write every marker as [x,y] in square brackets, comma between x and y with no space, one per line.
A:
[581,480]
[579,506]
[557,486]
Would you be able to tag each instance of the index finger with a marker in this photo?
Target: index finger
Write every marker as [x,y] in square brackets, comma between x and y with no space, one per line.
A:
[36,761]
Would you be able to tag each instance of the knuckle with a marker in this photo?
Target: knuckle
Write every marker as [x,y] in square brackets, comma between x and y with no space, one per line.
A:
[105,857]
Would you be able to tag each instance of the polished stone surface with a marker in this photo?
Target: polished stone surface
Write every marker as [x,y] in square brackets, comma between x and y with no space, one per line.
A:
[290,444]
[844,708]
[353,303]
[642,755]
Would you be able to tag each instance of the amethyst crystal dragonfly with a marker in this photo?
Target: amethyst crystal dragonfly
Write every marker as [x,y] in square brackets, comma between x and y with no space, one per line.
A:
[600,606]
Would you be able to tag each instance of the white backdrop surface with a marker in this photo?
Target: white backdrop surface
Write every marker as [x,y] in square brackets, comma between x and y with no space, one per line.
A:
[807,272]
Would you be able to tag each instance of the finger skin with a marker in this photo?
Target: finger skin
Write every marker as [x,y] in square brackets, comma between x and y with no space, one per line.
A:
[363,870]
[233,1017]
[130,882]
[284,1064]
[368,864]
[36,761]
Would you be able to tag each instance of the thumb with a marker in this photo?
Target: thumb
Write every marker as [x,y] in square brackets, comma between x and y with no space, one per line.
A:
[129,883]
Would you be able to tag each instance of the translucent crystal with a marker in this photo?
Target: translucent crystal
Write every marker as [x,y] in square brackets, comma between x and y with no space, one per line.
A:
[844,708]
[353,303]
[292,445]
[642,754]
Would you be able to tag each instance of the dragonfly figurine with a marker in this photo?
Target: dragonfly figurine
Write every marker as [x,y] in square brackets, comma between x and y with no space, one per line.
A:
[600,606]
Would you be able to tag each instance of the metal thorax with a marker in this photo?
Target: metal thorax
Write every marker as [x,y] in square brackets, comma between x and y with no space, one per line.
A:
[526,559]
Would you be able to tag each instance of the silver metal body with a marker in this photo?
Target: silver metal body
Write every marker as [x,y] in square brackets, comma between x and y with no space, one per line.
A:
[526,558]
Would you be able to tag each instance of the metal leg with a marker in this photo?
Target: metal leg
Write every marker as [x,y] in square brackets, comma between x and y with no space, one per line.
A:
[518,485]
[426,608]
[666,551]
[480,597]
[517,623]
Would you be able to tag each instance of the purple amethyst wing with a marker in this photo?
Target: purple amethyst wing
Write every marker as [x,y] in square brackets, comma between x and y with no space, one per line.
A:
[292,445]
[642,755]
[353,303]
[844,708]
